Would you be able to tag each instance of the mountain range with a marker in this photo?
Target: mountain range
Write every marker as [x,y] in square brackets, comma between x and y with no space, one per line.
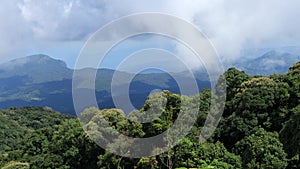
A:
[272,62]
[40,80]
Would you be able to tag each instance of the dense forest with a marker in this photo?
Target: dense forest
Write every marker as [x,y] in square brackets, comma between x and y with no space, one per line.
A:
[260,128]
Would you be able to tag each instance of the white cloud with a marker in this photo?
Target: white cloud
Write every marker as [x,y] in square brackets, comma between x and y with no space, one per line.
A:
[230,25]
[235,25]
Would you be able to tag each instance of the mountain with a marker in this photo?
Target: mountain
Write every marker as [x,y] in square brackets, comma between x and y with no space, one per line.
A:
[32,69]
[269,63]
[40,80]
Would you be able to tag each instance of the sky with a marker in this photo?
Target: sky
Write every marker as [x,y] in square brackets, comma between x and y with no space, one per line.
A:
[60,28]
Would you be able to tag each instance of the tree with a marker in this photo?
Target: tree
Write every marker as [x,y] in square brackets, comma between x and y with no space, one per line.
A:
[64,146]
[18,165]
[290,137]
[148,163]
[294,82]
[260,102]
[261,149]
[193,154]
[168,113]
[107,128]
[264,99]
[204,99]
[234,79]
[16,123]
[74,145]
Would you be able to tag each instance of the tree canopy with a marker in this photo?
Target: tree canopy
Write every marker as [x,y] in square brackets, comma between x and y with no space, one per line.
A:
[260,128]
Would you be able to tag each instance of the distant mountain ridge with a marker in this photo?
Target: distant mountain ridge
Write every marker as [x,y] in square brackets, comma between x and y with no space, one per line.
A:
[35,67]
[271,62]
[40,80]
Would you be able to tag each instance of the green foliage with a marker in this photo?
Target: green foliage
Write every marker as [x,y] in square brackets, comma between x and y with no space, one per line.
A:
[61,146]
[16,165]
[113,122]
[257,109]
[204,106]
[290,137]
[168,113]
[261,149]
[234,79]
[259,102]
[190,154]
[294,82]
[194,154]
[16,123]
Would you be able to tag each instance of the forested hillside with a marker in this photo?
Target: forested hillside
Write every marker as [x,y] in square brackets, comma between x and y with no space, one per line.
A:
[260,128]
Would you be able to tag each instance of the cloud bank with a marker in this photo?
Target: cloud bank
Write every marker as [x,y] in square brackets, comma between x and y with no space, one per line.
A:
[29,26]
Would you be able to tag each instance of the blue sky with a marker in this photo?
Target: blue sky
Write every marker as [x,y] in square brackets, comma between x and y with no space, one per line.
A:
[60,28]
